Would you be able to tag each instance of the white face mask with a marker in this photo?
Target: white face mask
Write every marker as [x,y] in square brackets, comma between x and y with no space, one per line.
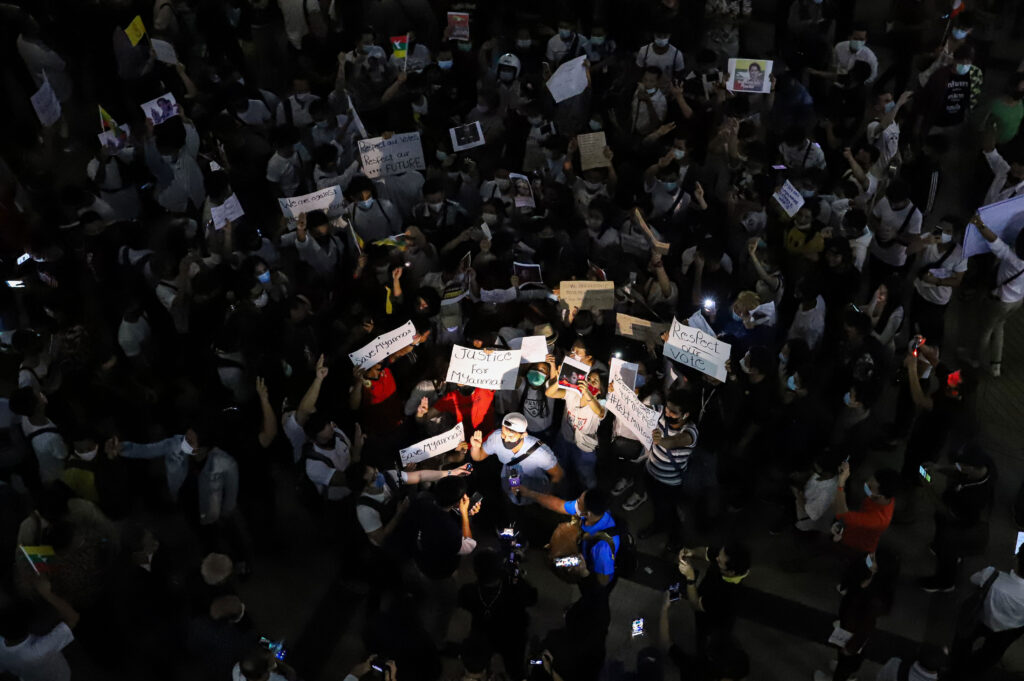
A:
[867,490]
[945,238]
[435,207]
[186,448]
[661,42]
[89,455]
[490,218]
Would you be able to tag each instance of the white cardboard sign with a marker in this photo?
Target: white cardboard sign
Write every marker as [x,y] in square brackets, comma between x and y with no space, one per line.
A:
[1005,218]
[231,209]
[789,199]
[697,349]
[46,104]
[621,370]
[396,154]
[489,369]
[432,446]
[383,346]
[640,419]
[324,199]
[569,80]
[534,348]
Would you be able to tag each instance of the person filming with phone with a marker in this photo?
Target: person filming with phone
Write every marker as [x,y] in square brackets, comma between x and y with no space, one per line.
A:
[714,599]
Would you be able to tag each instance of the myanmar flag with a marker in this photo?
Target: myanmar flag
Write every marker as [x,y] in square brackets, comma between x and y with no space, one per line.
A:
[107,121]
[399,45]
[39,557]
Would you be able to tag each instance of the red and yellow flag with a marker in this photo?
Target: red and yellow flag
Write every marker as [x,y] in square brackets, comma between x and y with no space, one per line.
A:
[400,45]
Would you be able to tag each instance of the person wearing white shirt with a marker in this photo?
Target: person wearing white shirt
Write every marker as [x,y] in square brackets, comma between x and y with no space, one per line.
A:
[31,657]
[809,321]
[896,222]
[576,443]
[1005,299]
[814,499]
[286,169]
[665,56]
[941,269]
[1002,621]
[298,104]
[799,153]
[106,169]
[883,131]
[296,21]
[40,433]
[848,52]
[649,107]
[565,45]
[1008,178]
[179,179]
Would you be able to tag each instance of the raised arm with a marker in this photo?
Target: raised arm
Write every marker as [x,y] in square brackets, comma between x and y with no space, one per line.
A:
[308,403]
[476,446]
[839,505]
[548,501]
[268,431]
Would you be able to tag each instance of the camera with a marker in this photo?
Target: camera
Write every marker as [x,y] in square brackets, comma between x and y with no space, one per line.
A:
[638,627]
[674,592]
[512,549]
[276,647]
[567,561]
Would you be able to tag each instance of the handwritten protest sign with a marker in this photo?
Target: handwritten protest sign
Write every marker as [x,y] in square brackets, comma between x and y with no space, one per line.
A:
[592,145]
[458,26]
[1005,218]
[432,446]
[789,198]
[623,371]
[396,154]
[383,346]
[638,329]
[325,199]
[640,419]
[533,348]
[493,370]
[588,295]
[46,104]
[697,349]
[231,209]
[569,80]
[135,31]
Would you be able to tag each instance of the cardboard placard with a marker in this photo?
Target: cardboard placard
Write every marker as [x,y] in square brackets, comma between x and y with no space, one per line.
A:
[433,446]
[324,199]
[592,146]
[697,349]
[588,295]
[639,329]
[490,369]
[637,417]
[383,346]
[396,154]
[533,349]
[467,136]
[749,75]
[231,209]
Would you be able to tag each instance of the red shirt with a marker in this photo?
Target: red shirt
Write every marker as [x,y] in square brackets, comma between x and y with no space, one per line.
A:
[863,529]
[381,389]
[474,409]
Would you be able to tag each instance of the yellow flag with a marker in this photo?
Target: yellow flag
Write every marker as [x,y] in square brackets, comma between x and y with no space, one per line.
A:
[135,31]
[388,307]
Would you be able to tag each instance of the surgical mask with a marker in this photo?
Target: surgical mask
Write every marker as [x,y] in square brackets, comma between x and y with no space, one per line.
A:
[791,383]
[661,42]
[595,125]
[366,49]
[735,316]
[445,64]
[651,90]
[503,185]
[378,480]
[679,154]
[783,359]
[807,193]
[945,238]
[564,33]
[490,219]
[506,76]
[641,380]
[367,204]
[535,378]
[420,108]
[509,445]
[440,156]
[594,224]
[959,33]
[847,399]
[855,45]
[670,186]
[867,490]
[524,44]
[261,300]
[745,364]
[322,124]
[465,47]
[89,455]
[889,106]
[435,207]
[186,448]
[535,120]
[594,390]
[593,186]
[869,561]
[264,277]
[962,69]
[597,40]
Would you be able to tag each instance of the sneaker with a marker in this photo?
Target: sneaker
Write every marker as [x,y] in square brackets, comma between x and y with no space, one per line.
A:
[634,501]
[621,486]
[932,585]
[996,369]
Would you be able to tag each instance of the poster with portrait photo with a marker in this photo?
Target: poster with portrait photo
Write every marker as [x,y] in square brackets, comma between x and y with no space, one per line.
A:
[749,75]
[161,109]
[467,136]
[522,191]
[571,373]
[528,273]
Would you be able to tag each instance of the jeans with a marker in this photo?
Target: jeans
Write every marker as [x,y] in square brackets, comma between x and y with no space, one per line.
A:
[994,314]
[579,466]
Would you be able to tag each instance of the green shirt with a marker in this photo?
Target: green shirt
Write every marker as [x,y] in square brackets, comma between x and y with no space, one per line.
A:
[1007,117]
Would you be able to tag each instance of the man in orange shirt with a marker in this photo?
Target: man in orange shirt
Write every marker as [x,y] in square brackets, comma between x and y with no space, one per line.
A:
[472,406]
[861,530]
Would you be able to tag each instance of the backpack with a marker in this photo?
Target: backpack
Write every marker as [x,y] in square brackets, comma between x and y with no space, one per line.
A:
[569,539]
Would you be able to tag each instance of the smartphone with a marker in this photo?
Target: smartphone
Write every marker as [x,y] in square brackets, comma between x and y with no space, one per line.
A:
[1020,542]
[536,661]
[567,561]
[377,667]
[23,258]
[514,482]
[475,499]
[509,532]
[778,167]
[924,473]
[638,627]
[915,344]
[469,467]
[276,647]
[709,304]
[675,592]
[16,283]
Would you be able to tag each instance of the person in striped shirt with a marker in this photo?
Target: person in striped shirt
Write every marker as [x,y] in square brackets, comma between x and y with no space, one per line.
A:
[667,460]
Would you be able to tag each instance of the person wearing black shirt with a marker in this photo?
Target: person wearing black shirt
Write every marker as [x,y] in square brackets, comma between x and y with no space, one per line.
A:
[714,600]
[960,525]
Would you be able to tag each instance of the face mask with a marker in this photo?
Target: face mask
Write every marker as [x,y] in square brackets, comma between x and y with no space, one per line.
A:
[524,44]
[889,106]
[367,204]
[855,45]
[506,76]
[592,186]
[847,399]
[435,207]
[261,300]
[745,364]
[594,390]
[735,316]
[661,42]
[465,47]
[322,124]
[419,108]
[378,480]
[503,185]
[868,561]
[651,90]
[594,224]
[366,49]
[670,186]
[818,2]
[509,445]
[680,154]
[962,69]
[959,33]
[564,33]
[641,380]
[490,219]
[945,238]
[782,359]
[597,40]
[264,278]
[466,389]
[807,193]
[535,378]
[595,125]
[445,64]
[867,490]
[802,226]
[440,156]
[89,455]
[791,382]
[186,448]
[535,120]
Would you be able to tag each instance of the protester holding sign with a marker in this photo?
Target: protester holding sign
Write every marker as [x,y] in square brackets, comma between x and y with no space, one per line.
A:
[576,444]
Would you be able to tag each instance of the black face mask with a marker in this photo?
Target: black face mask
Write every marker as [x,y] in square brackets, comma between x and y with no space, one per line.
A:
[510,445]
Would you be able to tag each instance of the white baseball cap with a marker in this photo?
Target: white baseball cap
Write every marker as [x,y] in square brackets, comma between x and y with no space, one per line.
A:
[515,422]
